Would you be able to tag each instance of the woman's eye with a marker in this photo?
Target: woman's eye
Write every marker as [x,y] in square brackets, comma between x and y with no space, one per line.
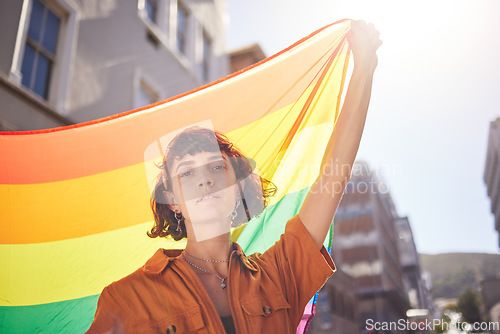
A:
[220,167]
[187,173]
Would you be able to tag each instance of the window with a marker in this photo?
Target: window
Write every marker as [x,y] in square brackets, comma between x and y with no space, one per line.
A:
[152,10]
[182,23]
[207,50]
[40,49]
[6,126]
[146,95]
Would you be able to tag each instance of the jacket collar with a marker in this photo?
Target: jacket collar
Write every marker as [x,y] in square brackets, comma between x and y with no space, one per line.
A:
[163,257]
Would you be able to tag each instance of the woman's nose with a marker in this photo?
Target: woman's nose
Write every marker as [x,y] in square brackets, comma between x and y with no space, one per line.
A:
[206,181]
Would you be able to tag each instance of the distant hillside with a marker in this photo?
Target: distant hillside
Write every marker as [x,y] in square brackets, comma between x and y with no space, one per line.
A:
[452,273]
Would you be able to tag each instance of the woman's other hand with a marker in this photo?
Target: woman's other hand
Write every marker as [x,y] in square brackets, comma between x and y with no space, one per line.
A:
[364,41]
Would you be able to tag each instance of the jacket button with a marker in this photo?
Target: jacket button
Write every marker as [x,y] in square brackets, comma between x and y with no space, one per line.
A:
[171,329]
[267,310]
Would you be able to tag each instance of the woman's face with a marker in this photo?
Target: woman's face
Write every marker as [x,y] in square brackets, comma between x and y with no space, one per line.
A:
[205,192]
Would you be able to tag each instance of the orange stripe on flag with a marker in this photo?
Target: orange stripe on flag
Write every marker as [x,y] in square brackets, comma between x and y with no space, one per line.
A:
[78,151]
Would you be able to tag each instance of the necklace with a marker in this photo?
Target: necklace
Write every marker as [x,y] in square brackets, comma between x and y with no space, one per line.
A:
[222,279]
[198,258]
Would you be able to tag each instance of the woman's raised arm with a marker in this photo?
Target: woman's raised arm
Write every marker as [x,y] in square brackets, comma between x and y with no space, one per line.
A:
[323,198]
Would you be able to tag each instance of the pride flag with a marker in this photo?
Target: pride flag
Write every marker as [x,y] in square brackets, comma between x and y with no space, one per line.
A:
[75,200]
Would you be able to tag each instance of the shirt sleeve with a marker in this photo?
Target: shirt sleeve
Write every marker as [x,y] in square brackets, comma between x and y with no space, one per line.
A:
[106,319]
[303,268]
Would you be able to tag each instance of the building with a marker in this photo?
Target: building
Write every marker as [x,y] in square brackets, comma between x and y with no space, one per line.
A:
[415,282]
[492,172]
[365,246]
[245,56]
[410,265]
[490,293]
[336,307]
[70,61]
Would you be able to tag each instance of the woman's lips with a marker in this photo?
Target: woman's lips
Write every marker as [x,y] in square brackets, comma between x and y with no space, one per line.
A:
[207,197]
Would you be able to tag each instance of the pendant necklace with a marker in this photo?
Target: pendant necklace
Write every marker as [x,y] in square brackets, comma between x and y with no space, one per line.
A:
[222,279]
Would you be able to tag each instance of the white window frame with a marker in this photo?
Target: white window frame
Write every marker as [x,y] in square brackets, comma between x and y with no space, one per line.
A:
[206,76]
[60,75]
[164,31]
[159,28]
[142,79]
[186,59]
[187,27]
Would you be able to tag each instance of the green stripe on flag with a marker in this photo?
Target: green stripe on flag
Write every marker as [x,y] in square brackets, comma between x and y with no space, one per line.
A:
[69,316]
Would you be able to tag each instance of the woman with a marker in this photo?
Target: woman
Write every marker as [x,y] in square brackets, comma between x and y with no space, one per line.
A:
[212,286]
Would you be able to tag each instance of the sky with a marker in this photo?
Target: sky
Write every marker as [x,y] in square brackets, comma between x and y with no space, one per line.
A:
[436,90]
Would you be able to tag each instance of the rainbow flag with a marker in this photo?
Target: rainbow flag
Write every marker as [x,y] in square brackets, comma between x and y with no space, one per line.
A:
[75,200]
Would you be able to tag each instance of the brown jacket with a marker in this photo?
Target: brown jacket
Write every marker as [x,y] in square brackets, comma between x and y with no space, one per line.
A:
[267,292]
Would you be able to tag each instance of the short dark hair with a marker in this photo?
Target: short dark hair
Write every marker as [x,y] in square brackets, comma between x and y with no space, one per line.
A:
[196,140]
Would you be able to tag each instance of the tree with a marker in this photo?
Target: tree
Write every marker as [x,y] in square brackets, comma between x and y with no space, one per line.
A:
[468,306]
[443,326]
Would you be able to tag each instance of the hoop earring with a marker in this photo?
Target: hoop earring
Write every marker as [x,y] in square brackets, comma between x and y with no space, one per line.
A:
[235,213]
[179,219]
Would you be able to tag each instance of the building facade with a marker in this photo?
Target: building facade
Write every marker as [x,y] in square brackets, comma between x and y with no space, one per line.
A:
[70,61]
[492,172]
[410,265]
[490,293]
[365,246]
[336,307]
